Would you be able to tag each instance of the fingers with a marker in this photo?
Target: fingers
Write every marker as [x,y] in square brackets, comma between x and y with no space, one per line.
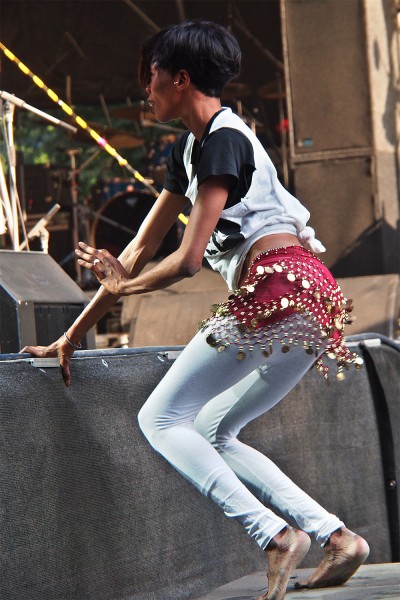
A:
[48,351]
[97,261]
[64,353]
[91,255]
[66,373]
[108,270]
[38,351]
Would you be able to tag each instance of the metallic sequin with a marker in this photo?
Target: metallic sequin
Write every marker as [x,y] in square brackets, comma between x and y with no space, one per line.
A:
[251,317]
[358,362]
[211,341]
[284,302]
[338,323]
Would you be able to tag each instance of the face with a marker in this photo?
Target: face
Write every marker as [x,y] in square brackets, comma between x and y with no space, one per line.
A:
[162,95]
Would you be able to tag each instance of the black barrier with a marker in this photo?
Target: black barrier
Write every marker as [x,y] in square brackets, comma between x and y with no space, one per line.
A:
[91,512]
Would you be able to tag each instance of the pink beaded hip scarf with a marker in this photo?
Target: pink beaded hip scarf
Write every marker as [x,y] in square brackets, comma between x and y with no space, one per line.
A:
[283,283]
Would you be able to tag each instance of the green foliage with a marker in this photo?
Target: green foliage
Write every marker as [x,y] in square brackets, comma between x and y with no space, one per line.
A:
[39,142]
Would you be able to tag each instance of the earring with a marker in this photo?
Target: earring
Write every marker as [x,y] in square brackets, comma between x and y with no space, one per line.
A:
[176,82]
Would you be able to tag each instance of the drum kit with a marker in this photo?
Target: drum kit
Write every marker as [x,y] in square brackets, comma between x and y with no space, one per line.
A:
[118,205]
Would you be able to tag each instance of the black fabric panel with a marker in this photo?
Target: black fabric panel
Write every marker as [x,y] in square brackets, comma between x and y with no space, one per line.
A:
[387,451]
[386,360]
[91,512]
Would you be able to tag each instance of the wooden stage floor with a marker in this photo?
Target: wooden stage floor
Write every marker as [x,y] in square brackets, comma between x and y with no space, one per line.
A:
[371,582]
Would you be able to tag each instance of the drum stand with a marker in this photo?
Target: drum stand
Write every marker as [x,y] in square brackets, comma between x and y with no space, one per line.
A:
[76,212]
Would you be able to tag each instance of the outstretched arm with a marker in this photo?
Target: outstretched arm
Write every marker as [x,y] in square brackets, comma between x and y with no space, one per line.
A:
[123,276]
[184,262]
[132,260]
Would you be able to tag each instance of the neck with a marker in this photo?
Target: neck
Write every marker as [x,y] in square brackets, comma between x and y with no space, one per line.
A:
[199,112]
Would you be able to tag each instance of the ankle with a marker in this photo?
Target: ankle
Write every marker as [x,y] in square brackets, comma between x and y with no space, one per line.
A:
[336,536]
[276,541]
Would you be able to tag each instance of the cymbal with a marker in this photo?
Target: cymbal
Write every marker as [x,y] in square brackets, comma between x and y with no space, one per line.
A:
[235,90]
[133,113]
[118,138]
[271,91]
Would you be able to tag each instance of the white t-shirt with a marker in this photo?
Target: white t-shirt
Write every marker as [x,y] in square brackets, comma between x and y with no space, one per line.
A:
[257,203]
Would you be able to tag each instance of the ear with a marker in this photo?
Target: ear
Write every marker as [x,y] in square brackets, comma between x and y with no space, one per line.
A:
[182,79]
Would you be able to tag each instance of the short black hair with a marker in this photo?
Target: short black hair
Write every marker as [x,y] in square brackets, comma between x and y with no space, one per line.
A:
[207,51]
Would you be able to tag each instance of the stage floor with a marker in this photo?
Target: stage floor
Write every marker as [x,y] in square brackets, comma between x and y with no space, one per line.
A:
[377,582]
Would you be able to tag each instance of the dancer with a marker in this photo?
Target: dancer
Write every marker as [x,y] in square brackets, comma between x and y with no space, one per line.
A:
[285,312]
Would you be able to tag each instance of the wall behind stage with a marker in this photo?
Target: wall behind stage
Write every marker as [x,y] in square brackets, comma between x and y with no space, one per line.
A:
[341,72]
[91,512]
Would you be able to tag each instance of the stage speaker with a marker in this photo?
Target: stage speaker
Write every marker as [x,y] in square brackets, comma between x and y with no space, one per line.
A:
[376,302]
[38,301]
[339,196]
[336,164]
[327,71]
[172,316]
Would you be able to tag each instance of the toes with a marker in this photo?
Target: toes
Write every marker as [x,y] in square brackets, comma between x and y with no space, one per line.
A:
[300,585]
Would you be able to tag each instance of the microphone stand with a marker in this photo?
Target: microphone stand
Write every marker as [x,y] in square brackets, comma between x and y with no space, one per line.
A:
[6,216]
[10,101]
[8,110]
[22,104]
[75,209]
[39,230]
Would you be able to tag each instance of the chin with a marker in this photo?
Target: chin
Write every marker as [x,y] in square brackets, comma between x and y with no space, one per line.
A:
[165,119]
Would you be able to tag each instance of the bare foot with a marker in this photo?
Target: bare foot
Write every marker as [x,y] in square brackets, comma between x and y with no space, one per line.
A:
[285,552]
[344,552]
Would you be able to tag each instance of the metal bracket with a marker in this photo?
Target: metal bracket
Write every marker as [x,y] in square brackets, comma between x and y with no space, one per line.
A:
[44,362]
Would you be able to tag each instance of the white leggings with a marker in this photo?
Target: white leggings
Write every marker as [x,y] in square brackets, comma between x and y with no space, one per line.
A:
[193,418]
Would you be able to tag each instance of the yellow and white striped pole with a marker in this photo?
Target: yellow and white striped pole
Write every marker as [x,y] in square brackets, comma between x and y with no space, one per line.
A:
[102,142]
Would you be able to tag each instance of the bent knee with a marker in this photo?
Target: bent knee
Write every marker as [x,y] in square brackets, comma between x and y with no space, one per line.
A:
[146,422]
[155,427]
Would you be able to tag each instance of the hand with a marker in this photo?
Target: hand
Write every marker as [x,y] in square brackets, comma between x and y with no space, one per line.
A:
[60,349]
[108,270]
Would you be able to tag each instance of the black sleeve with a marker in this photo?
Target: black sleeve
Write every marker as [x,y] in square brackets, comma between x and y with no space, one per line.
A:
[227,152]
[176,180]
